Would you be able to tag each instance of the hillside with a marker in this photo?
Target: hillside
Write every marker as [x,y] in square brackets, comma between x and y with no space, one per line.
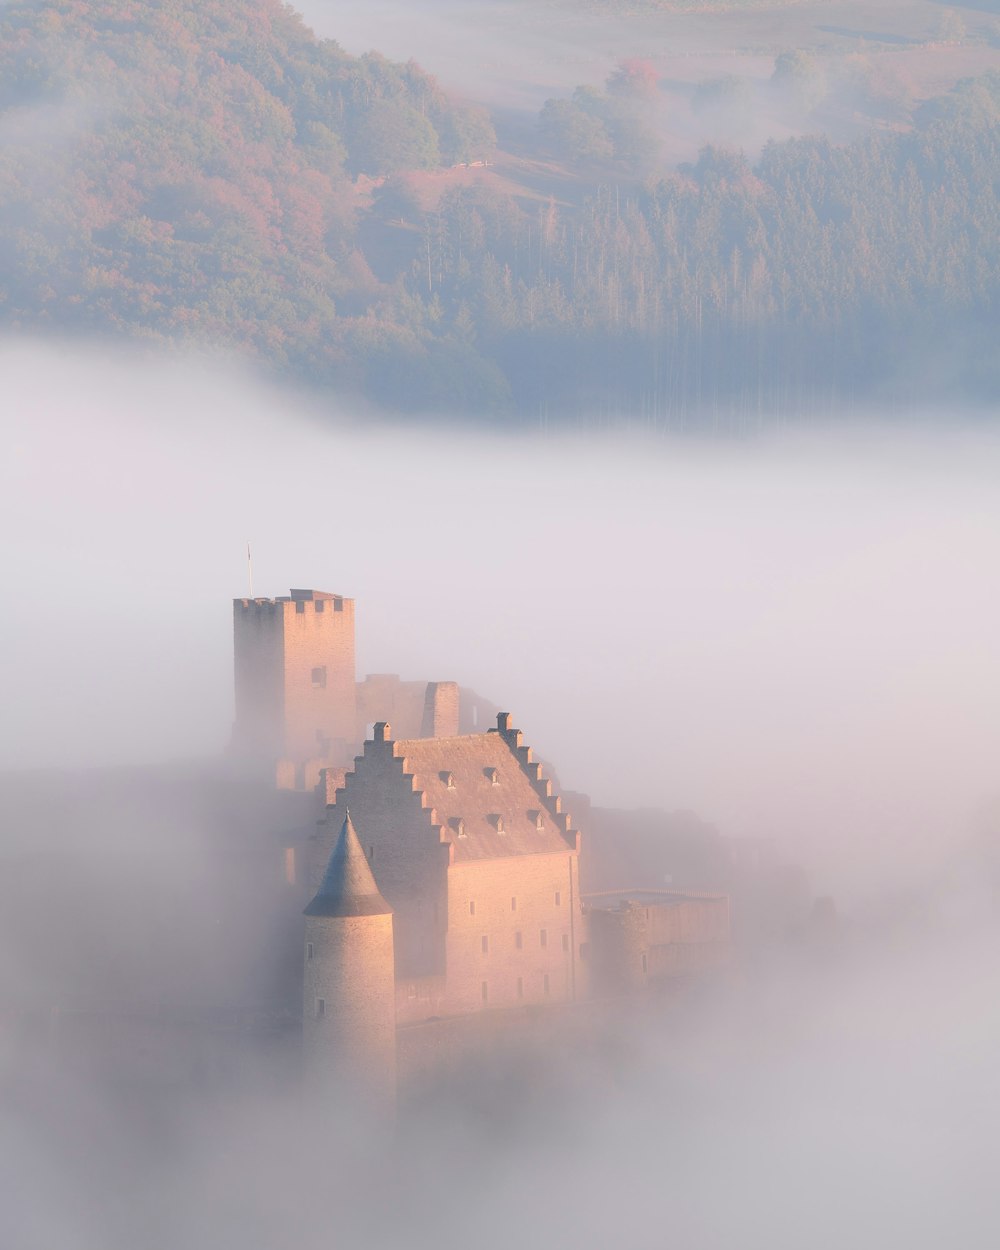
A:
[182,172]
[186,170]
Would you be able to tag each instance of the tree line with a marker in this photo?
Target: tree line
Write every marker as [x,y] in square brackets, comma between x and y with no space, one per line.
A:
[179,172]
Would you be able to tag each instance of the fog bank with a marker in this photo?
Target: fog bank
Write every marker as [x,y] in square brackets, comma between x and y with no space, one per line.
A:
[794,635]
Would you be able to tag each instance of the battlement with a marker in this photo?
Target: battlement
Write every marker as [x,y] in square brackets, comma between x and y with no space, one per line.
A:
[303,601]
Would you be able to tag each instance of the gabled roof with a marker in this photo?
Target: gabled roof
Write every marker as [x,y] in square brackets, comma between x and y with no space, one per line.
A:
[348,887]
[486,794]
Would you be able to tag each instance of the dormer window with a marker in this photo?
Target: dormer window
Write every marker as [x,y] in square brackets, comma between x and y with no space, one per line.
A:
[539,820]
[493,776]
[457,826]
[497,823]
[448,779]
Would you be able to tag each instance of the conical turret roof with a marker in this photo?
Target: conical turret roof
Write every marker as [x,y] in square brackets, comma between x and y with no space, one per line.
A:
[348,887]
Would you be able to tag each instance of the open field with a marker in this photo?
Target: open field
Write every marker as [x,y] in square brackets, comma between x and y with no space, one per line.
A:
[511,54]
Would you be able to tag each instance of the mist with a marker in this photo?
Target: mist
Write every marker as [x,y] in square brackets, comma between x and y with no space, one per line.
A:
[851,1099]
[793,635]
[784,641]
[872,61]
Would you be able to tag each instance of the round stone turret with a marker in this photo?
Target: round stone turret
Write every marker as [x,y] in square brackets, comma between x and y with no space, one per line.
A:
[349,1008]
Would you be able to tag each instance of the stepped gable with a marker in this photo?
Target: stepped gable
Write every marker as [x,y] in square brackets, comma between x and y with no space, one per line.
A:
[486,794]
[348,887]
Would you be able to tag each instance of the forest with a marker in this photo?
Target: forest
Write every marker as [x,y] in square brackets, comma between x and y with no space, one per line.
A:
[208,173]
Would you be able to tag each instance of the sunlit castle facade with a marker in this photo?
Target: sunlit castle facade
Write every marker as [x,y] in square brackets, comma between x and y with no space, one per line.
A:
[444,873]
[480,864]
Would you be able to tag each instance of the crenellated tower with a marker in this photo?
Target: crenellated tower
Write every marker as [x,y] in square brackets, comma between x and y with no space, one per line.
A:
[296,704]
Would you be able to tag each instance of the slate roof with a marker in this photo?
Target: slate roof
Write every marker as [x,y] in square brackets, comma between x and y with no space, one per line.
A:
[348,887]
[482,798]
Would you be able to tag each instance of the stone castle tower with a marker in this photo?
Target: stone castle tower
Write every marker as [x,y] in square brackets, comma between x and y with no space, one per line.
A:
[349,1007]
[296,699]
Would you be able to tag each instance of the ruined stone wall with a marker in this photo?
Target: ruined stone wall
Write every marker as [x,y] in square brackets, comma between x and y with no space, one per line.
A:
[638,943]
[475,714]
[617,940]
[441,710]
[385,697]
[415,709]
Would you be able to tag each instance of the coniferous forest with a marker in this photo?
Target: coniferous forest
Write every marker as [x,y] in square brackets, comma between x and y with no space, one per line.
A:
[213,173]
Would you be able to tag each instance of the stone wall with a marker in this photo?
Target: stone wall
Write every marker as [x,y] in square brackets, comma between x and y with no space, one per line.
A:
[349,1005]
[319,714]
[258,637]
[514,932]
[407,856]
[639,942]
[512,924]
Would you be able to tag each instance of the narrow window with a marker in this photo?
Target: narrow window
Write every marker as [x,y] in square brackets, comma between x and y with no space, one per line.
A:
[545,984]
[520,987]
[513,904]
[371,854]
[485,943]
[543,939]
[558,898]
[565,941]
[319,677]
[517,941]
[644,964]
[485,989]
[412,991]
[472,909]
[309,950]
[320,1008]
[299,606]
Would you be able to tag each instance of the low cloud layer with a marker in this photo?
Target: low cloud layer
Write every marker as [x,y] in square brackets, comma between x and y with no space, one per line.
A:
[793,635]
[851,1100]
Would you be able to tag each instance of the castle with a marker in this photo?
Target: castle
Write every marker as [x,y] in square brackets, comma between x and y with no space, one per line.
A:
[299,708]
[444,873]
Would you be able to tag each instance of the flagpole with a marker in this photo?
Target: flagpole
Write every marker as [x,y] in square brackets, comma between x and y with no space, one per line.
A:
[249,571]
